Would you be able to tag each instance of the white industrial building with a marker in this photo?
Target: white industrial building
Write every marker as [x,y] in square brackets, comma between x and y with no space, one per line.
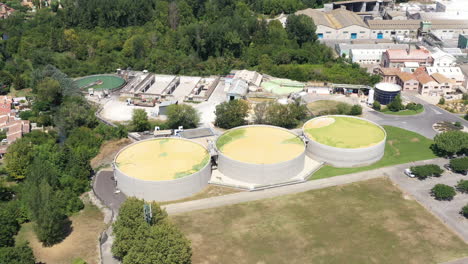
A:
[366,56]
[454,73]
[344,49]
[443,59]
[337,24]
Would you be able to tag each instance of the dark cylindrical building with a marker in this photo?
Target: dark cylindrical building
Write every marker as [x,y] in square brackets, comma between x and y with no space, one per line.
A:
[384,93]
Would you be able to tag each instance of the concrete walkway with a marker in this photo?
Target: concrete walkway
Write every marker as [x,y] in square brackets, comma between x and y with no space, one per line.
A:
[242,197]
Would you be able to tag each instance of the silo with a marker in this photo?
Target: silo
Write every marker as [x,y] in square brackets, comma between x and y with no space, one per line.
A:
[384,93]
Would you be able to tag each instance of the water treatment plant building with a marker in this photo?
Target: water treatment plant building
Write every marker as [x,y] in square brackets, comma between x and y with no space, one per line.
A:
[260,154]
[344,141]
[162,169]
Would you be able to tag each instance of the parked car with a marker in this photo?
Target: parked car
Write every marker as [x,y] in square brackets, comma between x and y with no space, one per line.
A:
[409,173]
[447,167]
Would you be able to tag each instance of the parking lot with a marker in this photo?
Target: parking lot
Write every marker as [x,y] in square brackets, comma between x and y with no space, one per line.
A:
[447,211]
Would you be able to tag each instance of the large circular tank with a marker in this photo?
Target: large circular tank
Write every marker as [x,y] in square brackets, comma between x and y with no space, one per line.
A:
[100,82]
[344,141]
[260,154]
[162,169]
[386,92]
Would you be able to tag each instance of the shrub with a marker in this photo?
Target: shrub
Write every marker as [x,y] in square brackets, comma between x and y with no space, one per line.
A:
[462,186]
[343,108]
[355,110]
[376,106]
[422,172]
[396,105]
[459,164]
[458,124]
[443,192]
[466,116]
[140,120]
[465,96]
[442,101]
[414,106]
[464,211]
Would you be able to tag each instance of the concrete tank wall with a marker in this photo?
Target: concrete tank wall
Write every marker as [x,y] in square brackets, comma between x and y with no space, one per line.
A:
[261,174]
[163,190]
[343,157]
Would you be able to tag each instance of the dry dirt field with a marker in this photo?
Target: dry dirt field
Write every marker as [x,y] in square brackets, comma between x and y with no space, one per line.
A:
[81,243]
[108,151]
[366,222]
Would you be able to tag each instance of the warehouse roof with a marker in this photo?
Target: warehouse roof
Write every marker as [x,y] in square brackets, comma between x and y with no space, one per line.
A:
[338,18]
[238,86]
[394,24]
[449,24]
[440,78]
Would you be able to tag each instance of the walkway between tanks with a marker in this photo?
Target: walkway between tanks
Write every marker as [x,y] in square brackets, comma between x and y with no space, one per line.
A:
[241,197]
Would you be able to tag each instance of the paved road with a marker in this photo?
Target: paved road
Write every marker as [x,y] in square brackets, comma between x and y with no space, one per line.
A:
[104,187]
[447,212]
[421,123]
[290,189]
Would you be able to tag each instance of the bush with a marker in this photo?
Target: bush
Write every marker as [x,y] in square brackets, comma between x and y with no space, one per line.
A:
[376,106]
[343,108]
[464,211]
[414,106]
[466,116]
[465,96]
[182,115]
[422,172]
[355,110]
[231,114]
[462,186]
[443,192]
[442,101]
[458,124]
[459,164]
[140,121]
[396,105]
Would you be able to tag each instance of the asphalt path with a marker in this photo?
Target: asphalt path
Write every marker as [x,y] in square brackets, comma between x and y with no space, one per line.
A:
[420,123]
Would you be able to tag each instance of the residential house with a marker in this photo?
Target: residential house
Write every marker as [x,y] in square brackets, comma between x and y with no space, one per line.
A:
[407,81]
[427,84]
[389,75]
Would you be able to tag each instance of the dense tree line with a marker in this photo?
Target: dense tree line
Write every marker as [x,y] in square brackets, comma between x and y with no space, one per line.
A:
[177,37]
[51,169]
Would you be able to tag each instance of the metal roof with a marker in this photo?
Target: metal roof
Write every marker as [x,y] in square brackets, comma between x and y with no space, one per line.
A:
[394,24]
[196,133]
[338,18]
[238,86]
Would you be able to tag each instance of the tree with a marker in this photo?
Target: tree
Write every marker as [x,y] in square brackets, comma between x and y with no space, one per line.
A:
[343,108]
[442,101]
[21,254]
[443,192]
[462,186]
[18,157]
[424,171]
[301,28]
[9,226]
[396,104]
[459,164]
[355,110]
[49,93]
[285,115]
[51,224]
[260,111]
[376,106]
[75,112]
[464,211]
[182,115]
[140,120]
[163,244]
[158,241]
[451,142]
[231,114]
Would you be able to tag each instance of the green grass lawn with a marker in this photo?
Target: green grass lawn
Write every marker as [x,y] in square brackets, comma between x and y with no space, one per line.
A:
[346,132]
[402,146]
[323,106]
[403,112]
[365,222]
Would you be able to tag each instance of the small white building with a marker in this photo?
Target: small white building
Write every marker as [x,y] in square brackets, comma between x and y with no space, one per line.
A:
[366,56]
[237,90]
[443,59]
